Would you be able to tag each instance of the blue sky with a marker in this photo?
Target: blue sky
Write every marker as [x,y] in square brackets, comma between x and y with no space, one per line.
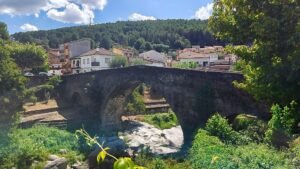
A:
[31,15]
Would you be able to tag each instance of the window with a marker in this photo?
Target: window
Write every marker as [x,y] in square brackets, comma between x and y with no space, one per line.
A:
[83,61]
[107,60]
[87,61]
[94,59]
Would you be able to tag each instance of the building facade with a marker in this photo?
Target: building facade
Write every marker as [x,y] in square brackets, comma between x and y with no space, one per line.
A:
[54,59]
[202,59]
[97,59]
[71,50]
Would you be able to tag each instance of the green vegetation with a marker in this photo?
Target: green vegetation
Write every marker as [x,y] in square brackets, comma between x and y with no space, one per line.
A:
[35,144]
[161,120]
[271,66]
[158,163]
[219,146]
[29,56]
[118,62]
[120,163]
[219,126]
[160,35]
[186,65]
[3,31]
[136,101]
[282,122]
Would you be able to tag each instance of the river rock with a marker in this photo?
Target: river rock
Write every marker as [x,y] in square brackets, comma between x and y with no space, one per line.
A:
[53,157]
[60,163]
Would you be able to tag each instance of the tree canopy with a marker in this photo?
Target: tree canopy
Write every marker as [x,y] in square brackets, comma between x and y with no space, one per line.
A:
[28,55]
[271,30]
[3,31]
[163,34]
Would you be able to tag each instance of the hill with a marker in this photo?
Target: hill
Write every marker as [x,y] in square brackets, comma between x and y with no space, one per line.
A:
[142,35]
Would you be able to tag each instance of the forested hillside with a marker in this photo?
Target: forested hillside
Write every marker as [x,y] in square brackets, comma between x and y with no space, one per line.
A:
[142,35]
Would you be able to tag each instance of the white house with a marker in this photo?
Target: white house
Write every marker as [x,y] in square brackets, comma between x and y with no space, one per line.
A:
[97,59]
[202,59]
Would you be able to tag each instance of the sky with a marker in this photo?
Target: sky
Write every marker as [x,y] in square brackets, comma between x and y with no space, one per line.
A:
[33,15]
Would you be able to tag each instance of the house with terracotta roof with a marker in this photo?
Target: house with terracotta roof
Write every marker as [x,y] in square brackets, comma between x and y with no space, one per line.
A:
[54,60]
[154,58]
[202,59]
[93,60]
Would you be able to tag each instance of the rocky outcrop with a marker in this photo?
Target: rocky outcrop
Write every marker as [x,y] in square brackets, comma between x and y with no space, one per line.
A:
[56,162]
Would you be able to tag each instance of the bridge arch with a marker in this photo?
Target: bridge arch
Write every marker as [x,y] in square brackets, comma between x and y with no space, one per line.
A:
[193,95]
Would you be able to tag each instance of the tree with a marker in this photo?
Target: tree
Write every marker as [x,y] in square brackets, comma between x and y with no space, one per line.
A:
[28,56]
[106,42]
[140,44]
[3,31]
[148,46]
[10,74]
[268,31]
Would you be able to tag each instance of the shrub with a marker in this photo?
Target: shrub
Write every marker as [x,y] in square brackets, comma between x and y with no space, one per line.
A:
[159,163]
[243,121]
[219,126]
[136,102]
[162,120]
[118,61]
[54,80]
[250,126]
[35,144]
[186,65]
[208,152]
[295,152]
[282,122]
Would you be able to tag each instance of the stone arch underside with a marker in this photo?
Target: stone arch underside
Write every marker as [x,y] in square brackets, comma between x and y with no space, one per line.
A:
[193,95]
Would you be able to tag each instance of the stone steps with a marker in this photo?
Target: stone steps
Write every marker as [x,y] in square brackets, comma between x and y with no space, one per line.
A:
[157,106]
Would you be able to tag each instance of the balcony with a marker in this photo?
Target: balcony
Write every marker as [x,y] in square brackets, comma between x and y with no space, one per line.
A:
[95,63]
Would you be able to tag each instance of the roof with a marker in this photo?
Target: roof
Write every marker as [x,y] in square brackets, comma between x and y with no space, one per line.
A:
[98,51]
[192,55]
[153,56]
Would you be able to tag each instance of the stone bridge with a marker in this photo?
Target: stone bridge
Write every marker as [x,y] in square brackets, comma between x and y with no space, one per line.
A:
[193,95]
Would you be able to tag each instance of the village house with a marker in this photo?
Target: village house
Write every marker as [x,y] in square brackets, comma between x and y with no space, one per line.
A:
[93,60]
[71,50]
[202,59]
[154,58]
[54,59]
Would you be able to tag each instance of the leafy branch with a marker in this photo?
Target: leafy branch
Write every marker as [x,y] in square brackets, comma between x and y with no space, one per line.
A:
[120,163]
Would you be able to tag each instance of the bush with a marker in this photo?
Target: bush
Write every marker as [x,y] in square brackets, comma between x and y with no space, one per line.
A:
[118,61]
[295,152]
[186,65]
[136,102]
[158,163]
[250,126]
[219,126]
[162,120]
[208,152]
[35,144]
[243,121]
[283,122]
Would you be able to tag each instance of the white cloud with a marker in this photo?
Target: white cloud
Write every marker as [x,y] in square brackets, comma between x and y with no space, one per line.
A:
[54,4]
[28,27]
[204,12]
[25,7]
[95,4]
[67,11]
[72,14]
[139,17]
